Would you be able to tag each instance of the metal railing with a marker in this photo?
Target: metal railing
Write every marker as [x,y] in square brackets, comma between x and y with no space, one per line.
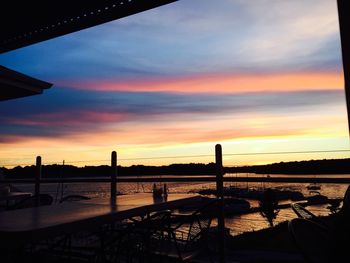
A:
[184,179]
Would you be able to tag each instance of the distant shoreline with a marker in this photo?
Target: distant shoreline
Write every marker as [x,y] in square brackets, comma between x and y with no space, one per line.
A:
[313,167]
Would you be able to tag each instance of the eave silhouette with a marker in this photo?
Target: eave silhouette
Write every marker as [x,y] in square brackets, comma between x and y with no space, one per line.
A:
[23,23]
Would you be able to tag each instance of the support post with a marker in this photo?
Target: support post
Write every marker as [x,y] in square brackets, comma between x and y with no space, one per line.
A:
[113,177]
[220,197]
[37,179]
[344,26]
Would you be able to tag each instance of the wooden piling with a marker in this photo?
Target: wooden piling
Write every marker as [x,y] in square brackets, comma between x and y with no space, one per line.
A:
[113,177]
[220,197]
[37,179]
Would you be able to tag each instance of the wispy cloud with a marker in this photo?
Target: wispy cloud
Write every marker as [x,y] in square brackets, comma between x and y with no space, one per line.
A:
[86,112]
[194,37]
[191,72]
[240,83]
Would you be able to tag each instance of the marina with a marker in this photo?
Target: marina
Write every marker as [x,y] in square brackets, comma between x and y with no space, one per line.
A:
[174,131]
[245,222]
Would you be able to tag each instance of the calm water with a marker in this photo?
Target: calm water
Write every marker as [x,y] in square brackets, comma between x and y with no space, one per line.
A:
[237,224]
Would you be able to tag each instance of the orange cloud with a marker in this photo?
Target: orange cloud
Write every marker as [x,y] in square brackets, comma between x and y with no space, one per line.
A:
[220,83]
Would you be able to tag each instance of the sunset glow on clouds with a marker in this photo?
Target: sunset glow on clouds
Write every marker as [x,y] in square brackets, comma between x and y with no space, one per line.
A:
[221,84]
[176,80]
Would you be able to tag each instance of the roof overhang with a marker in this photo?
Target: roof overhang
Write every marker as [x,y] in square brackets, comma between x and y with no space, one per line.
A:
[15,85]
[23,23]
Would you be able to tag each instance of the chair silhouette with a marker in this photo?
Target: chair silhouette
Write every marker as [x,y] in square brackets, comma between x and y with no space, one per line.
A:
[72,198]
[33,201]
[141,234]
[321,241]
[311,239]
[124,241]
[186,235]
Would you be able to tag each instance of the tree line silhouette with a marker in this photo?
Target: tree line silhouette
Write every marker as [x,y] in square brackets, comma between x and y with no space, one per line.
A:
[56,171]
[332,166]
[325,166]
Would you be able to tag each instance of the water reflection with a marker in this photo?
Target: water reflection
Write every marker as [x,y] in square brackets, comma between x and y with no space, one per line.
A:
[237,224]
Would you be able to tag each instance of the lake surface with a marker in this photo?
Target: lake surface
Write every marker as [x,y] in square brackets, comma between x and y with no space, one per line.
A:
[236,224]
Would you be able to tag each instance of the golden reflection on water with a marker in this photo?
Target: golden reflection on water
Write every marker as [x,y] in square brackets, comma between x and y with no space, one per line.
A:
[254,221]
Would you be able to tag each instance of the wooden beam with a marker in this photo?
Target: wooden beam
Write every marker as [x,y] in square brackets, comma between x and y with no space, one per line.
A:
[344,25]
[23,23]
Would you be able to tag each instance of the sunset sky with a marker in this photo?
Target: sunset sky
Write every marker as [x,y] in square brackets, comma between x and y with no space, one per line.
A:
[258,76]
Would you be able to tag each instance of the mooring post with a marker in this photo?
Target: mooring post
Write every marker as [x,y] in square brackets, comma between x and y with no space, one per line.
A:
[113,177]
[220,197]
[37,179]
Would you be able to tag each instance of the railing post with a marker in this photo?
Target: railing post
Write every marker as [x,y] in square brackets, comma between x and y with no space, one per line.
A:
[113,177]
[220,197]
[37,179]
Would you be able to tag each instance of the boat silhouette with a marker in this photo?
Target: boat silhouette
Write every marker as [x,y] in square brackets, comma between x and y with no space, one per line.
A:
[313,187]
[253,193]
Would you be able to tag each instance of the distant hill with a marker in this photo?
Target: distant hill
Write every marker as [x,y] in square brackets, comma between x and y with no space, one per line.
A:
[55,171]
[333,166]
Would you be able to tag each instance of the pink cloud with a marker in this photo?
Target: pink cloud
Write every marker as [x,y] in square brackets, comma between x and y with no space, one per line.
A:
[67,118]
[219,83]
